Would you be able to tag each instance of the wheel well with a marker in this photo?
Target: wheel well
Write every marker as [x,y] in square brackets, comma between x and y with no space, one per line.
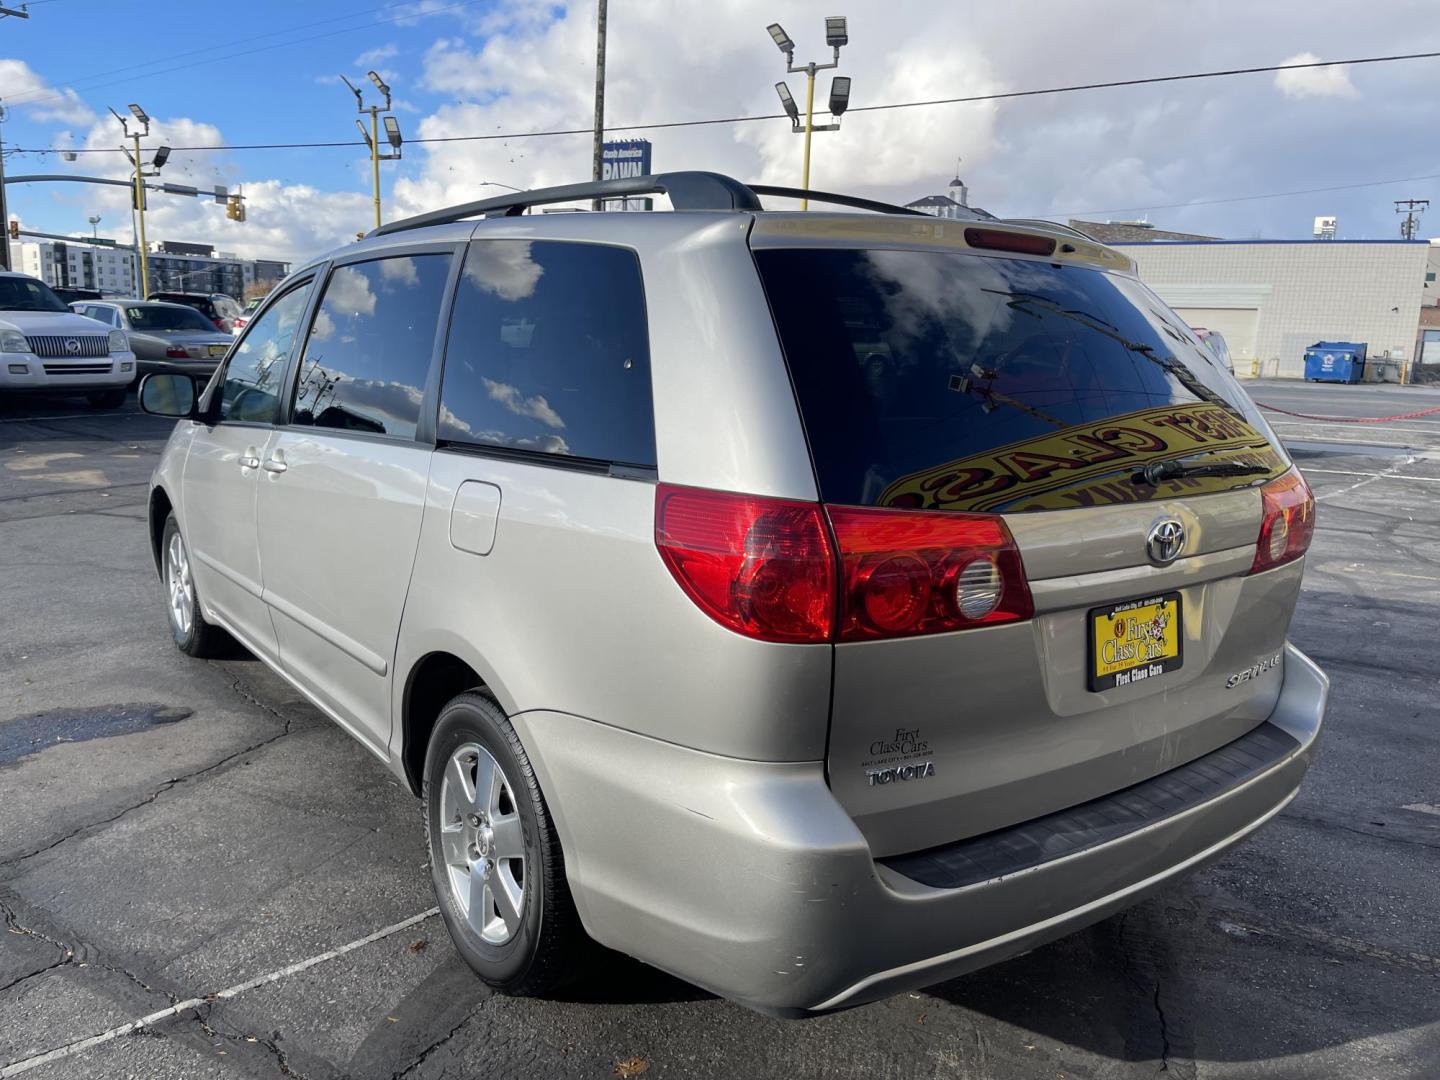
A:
[433,682]
[160,508]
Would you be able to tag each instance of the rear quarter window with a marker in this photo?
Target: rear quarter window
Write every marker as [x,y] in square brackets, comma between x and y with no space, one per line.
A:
[549,353]
[942,380]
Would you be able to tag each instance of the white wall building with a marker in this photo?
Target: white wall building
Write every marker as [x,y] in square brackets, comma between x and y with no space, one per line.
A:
[1272,298]
[77,265]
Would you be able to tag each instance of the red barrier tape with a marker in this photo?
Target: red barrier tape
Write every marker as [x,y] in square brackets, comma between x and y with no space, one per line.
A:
[1351,419]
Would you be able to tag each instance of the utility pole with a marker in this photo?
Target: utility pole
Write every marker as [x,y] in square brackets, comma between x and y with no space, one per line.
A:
[836,35]
[1412,209]
[372,137]
[4,212]
[598,157]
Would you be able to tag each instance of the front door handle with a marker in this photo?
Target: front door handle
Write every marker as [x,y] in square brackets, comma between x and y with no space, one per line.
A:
[250,459]
[276,463]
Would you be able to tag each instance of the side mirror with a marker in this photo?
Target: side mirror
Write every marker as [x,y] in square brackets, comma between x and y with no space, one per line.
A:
[169,395]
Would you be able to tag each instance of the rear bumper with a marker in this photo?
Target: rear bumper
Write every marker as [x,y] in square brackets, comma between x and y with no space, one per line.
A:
[749,879]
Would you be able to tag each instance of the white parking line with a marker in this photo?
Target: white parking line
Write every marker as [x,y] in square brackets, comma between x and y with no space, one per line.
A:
[1340,423]
[1378,476]
[1384,474]
[18,1067]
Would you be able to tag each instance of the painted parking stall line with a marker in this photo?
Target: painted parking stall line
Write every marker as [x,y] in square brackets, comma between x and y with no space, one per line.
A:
[70,1049]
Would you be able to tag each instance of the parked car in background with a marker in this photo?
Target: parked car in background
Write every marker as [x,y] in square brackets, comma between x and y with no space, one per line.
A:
[46,347]
[70,295]
[245,312]
[163,337]
[814,606]
[222,310]
[1215,342]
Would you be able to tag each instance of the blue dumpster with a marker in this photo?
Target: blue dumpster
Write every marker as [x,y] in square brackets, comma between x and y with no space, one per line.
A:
[1335,361]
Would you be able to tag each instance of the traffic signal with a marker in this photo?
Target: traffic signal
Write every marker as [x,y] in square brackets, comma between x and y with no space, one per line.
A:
[14,229]
[234,208]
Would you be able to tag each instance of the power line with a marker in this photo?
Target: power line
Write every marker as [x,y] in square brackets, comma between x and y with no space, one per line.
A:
[1247,198]
[971,99]
[167,64]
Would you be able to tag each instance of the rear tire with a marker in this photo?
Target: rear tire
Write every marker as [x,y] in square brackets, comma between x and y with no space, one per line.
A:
[495,858]
[108,399]
[193,635]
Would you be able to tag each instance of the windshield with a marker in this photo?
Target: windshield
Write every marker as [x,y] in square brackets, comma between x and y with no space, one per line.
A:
[939,380]
[167,318]
[28,294]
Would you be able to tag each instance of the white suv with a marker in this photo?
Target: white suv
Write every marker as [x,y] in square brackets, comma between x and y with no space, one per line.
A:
[45,347]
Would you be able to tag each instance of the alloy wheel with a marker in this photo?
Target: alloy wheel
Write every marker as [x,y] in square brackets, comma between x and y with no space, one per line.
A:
[482,843]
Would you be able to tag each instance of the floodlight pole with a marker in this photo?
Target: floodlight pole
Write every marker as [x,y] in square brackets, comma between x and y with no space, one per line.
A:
[144,251]
[373,138]
[788,48]
[137,192]
[375,158]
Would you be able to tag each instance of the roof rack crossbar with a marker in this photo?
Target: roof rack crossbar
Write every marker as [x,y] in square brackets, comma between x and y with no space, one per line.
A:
[687,191]
[834,199]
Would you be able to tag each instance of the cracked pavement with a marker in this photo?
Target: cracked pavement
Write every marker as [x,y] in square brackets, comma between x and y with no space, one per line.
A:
[153,860]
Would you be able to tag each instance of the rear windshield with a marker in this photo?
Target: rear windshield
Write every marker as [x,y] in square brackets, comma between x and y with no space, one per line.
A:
[167,318]
[199,303]
[939,380]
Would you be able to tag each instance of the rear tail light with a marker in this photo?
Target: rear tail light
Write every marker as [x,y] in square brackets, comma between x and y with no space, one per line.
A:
[909,572]
[174,352]
[219,323]
[762,567]
[766,568]
[1287,522]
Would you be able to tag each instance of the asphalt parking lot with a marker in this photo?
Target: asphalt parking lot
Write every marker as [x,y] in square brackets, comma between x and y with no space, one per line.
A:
[193,838]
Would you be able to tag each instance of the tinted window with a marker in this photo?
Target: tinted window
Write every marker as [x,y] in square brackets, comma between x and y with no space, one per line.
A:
[257,363]
[154,317]
[548,352]
[951,381]
[368,353]
[28,294]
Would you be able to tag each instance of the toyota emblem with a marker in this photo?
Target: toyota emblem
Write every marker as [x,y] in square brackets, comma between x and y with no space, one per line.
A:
[1165,542]
[72,346]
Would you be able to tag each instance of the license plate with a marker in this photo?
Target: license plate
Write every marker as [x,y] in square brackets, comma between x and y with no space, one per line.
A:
[1136,640]
[218,350]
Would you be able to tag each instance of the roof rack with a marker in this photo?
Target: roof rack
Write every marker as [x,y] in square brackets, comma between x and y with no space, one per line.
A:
[687,191]
[832,198]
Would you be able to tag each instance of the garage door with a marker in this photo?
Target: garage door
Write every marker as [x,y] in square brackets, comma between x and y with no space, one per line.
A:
[1237,324]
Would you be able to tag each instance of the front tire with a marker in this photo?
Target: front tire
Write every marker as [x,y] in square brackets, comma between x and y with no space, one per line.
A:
[107,399]
[193,635]
[495,858]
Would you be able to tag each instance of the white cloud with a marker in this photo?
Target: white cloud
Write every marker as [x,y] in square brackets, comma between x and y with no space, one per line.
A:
[535,408]
[25,89]
[370,57]
[1323,82]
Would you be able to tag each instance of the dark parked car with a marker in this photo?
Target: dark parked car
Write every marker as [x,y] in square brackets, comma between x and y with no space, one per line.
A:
[163,337]
[220,309]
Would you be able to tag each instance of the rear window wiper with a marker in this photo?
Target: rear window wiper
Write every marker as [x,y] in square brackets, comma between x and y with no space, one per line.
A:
[1157,472]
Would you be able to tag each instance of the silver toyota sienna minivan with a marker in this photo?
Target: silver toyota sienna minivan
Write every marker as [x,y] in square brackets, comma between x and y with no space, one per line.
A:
[812,605]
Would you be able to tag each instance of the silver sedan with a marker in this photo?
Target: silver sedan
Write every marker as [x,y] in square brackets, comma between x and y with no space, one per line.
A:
[164,337]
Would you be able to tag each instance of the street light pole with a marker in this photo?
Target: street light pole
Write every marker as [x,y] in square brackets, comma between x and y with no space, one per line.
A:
[141,248]
[836,35]
[372,137]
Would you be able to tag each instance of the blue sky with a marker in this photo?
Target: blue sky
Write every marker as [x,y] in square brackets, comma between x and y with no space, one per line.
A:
[1183,153]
